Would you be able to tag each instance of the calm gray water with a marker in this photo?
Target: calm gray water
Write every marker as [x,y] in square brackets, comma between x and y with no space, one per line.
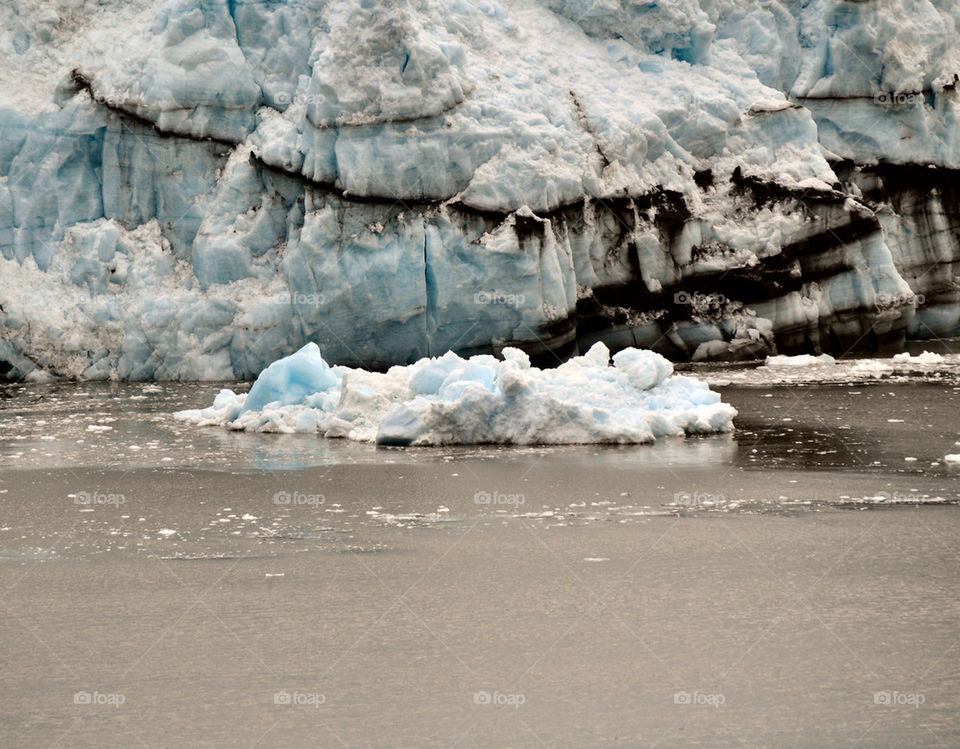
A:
[793,584]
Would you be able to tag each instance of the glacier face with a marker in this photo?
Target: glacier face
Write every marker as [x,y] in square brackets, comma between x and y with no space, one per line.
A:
[195,188]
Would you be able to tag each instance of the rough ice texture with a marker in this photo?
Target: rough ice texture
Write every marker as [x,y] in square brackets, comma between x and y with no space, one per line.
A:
[195,188]
[451,400]
[927,358]
[801,360]
[810,371]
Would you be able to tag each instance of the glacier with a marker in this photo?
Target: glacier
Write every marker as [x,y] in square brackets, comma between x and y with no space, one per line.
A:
[192,189]
[451,400]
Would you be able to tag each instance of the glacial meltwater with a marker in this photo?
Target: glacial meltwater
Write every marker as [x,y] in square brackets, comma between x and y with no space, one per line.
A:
[793,583]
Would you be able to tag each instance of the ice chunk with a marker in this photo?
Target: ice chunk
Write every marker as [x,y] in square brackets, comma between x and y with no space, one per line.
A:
[452,400]
[290,380]
[644,368]
[803,360]
[926,358]
[871,367]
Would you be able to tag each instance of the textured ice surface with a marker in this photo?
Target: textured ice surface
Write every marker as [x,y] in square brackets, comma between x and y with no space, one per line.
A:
[451,400]
[195,188]
[927,357]
[940,369]
[802,360]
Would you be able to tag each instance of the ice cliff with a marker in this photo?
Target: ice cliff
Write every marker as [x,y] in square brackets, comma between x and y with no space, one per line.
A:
[195,188]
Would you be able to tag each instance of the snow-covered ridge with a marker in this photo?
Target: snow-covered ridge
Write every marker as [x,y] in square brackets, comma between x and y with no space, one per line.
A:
[194,188]
[450,400]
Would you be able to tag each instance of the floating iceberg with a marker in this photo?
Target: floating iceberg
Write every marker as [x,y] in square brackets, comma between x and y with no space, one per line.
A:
[482,399]
[927,358]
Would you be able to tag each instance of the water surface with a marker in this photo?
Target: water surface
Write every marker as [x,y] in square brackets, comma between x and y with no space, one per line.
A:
[774,587]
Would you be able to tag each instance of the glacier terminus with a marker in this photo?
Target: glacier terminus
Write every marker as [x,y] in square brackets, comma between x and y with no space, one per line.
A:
[192,189]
